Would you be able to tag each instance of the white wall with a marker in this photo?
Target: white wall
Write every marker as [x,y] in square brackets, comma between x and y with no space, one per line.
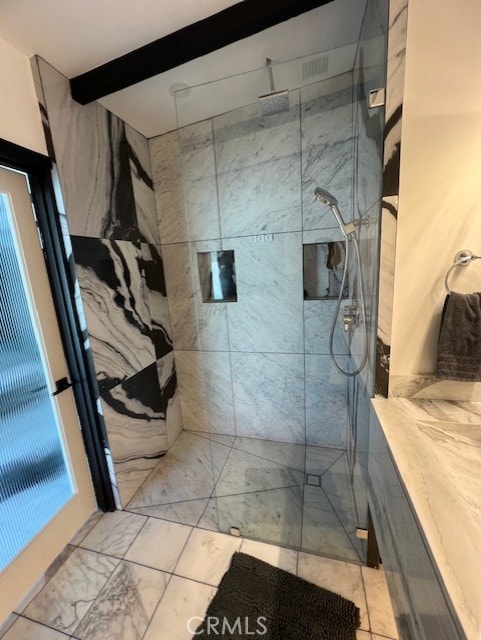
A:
[20,120]
[440,190]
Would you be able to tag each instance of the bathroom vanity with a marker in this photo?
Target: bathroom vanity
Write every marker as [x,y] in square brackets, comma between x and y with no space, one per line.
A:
[424,485]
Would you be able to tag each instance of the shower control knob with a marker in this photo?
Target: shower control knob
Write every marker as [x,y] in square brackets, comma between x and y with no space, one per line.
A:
[351,316]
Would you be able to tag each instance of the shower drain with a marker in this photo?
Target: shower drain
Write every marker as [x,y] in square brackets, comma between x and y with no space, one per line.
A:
[313,480]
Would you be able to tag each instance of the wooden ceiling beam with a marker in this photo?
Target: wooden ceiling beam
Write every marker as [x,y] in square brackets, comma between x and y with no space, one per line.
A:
[198,39]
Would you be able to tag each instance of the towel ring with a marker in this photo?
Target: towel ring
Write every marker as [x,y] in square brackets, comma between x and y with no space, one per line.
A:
[461,259]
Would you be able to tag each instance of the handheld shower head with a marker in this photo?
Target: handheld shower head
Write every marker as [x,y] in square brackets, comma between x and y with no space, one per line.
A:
[328,199]
[325,197]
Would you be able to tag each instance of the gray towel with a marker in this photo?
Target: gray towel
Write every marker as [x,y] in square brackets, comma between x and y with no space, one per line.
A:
[459,345]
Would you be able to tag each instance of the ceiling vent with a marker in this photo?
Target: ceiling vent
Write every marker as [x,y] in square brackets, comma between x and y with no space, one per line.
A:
[314,67]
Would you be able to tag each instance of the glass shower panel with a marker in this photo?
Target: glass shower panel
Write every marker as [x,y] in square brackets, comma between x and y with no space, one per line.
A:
[203,101]
[258,168]
[274,399]
[34,478]
[369,74]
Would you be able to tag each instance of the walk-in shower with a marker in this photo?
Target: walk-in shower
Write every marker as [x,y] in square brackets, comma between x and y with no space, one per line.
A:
[268,449]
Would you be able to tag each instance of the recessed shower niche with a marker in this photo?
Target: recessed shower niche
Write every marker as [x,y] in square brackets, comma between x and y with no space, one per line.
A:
[217,276]
[323,269]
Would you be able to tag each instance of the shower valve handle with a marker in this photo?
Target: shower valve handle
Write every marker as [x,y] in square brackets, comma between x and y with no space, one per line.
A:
[351,316]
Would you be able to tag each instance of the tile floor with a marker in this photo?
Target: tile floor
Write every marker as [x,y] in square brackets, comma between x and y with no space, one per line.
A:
[127,576]
[217,482]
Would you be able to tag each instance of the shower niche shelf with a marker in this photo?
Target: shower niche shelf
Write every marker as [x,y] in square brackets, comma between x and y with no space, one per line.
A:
[323,268]
[217,276]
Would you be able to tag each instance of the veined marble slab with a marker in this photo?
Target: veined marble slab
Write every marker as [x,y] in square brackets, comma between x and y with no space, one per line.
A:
[143,186]
[269,396]
[114,533]
[66,598]
[135,416]
[281,453]
[167,374]
[188,472]
[439,462]
[93,156]
[326,123]
[318,319]
[22,628]
[153,267]
[188,512]
[168,187]
[115,302]
[205,386]
[125,605]
[181,294]
[443,410]
[268,314]
[245,473]
[196,143]
[259,170]
[428,386]
[326,401]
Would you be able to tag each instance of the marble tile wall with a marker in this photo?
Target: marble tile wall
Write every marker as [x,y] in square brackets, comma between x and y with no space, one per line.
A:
[200,181]
[258,170]
[269,395]
[326,396]
[327,138]
[205,385]
[267,316]
[114,297]
[105,177]
[244,183]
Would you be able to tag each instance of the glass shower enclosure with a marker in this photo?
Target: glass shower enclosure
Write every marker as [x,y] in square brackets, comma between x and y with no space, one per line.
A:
[266,260]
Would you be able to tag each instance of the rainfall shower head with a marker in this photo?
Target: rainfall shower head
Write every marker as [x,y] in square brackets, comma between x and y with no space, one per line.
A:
[275,101]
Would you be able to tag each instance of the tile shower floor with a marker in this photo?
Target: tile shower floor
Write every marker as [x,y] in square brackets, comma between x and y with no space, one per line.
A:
[127,576]
[286,494]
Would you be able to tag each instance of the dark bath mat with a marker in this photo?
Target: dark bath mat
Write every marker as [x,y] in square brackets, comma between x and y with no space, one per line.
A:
[258,601]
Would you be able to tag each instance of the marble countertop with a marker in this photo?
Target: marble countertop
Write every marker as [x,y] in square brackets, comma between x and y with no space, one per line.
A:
[436,445]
